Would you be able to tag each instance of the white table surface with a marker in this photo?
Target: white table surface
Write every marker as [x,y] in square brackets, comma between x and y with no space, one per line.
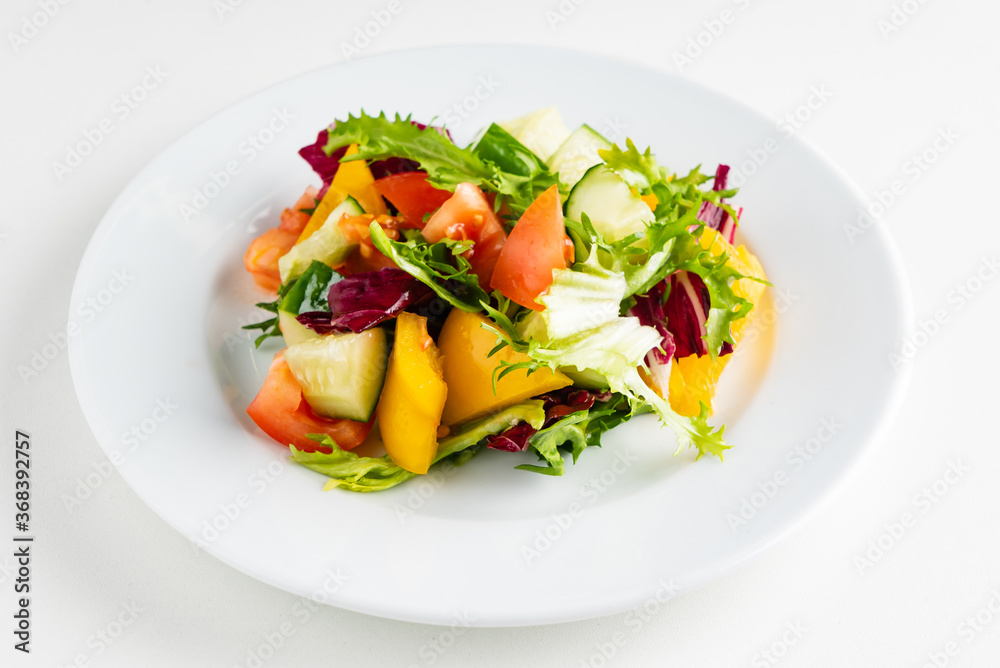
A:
[810,601]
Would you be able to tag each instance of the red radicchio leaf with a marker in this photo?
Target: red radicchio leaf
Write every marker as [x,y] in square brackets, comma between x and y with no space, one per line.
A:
[361,301]
[715,216]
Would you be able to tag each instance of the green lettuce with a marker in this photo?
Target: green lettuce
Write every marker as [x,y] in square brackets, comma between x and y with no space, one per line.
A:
[372,474]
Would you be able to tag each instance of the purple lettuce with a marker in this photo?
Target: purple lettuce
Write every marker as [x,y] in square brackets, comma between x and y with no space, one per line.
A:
[715,216]
[362,301]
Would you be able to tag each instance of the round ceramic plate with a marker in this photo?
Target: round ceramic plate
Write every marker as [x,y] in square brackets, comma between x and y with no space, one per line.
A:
[164,371]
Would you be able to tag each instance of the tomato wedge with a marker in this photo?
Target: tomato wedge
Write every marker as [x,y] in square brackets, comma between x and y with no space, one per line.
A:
[469,215]
[412,196]
[283,414]
[536,246]
[261,258]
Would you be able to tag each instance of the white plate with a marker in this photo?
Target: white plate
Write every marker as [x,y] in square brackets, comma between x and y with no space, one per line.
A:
[164,373]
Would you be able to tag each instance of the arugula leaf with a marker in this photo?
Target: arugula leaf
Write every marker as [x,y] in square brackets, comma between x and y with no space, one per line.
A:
[269,328]
[372,474]
[435,266]
[378,137]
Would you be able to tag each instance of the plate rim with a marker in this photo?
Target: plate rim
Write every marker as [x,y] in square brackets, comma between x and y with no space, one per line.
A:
[868,443]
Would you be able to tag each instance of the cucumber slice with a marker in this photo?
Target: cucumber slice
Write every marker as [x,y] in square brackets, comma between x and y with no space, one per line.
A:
[292,330]
[542,131]
[577,154]
[326,245]
[341,375]
[586,378]
[612,207]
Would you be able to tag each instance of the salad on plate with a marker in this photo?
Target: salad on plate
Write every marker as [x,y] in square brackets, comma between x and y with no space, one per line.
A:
[525,293]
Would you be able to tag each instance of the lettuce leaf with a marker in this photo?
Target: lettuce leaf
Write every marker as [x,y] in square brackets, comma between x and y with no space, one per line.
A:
[446,164]
[587,337]
[439,266]
[372,474]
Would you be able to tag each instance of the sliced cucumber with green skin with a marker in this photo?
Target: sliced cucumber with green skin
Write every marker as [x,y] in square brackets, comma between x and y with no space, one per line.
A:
[586,378]
[327,244]
[292,330]
[341,375]
[577,154]
[615,211]
[542,131]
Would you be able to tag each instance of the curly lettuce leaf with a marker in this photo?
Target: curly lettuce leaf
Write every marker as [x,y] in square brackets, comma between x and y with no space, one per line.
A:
[378,138]
[372,474]
[575,432]
[614,347]
[501,165]
[439,266]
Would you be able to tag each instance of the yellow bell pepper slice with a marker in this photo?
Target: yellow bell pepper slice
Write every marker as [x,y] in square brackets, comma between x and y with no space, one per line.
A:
[693,379]
[468,371]
[333,198]
[355,179]
[409,410]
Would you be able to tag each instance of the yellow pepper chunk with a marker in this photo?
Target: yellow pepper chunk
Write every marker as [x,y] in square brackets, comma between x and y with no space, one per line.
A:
[355,179]
[693,379]
[409,410]
[468,370]
[333,198]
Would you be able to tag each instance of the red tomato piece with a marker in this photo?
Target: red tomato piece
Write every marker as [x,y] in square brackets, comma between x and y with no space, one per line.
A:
[412,196]
[469,215]
[280,410]
[536,246]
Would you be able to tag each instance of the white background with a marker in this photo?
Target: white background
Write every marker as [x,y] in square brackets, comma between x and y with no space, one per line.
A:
[891,95]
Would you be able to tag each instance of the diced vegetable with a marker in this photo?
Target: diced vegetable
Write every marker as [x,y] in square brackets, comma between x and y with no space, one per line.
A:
[613,209]
[341,375]
[468,215]
[577,154]
[542,131]
[355,179]
[327,244]
[465,343]
[409,412]
[280,410]
[536,247]
[412,195]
